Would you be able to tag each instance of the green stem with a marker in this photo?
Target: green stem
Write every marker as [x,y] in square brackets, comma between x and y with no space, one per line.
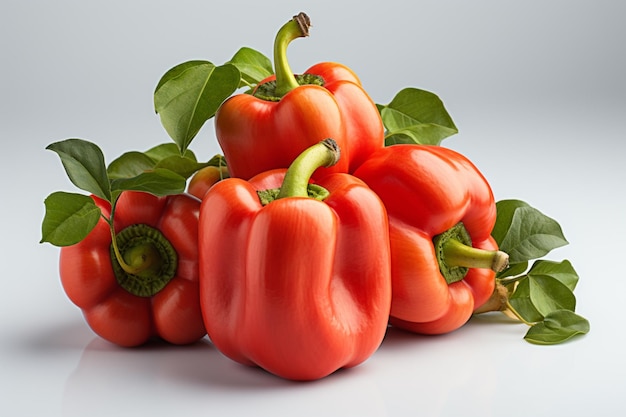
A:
[116,250]
[128,268]
[456,255]
[459,254]
[118,255]
[297,27]
[510,308]
[144,260]
[323,154]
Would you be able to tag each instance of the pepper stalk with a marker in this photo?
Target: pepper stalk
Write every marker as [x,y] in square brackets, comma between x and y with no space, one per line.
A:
[323,154]
[286,80]
[143,260]
[456,255]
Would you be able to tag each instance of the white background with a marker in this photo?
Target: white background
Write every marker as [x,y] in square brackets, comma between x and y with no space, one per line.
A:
[536,89]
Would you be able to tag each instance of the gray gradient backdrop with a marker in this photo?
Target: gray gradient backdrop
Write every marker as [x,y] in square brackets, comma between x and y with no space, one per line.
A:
[536,88]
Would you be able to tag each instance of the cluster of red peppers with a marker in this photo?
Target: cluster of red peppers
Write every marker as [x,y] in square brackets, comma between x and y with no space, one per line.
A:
[299,254]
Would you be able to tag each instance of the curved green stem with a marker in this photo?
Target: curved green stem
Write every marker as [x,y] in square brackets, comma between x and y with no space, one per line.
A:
[119,257]
[510,308]
[142,259]
[148,260]
[297,27]
[323,154]
[129,269]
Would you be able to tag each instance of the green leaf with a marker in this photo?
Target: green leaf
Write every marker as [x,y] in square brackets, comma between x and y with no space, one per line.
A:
[69,218]
[189,94]
[416,116]
[253,66]
[160,182]
[562,271]
[84,164]
[549,294]
[537,296]
[165,150]
[522,303]
[524,232]
[216,161]
[183,166]
[504,218]
[130,164]
[166,156]
[557,327]
[513,270]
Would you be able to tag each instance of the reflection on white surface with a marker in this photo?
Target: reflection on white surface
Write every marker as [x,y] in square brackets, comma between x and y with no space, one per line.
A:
[109,380]
[479,370]
[409,374]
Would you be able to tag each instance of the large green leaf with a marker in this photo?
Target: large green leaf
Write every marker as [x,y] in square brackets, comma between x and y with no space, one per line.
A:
[535,297]
[416,116]
[524,232]
[562,271]
[189,94]
[69,218]
[84,164]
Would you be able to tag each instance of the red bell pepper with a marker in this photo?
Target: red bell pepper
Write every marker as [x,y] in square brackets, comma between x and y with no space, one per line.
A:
[299,287]
[155,292]
[291,113]
[441,213]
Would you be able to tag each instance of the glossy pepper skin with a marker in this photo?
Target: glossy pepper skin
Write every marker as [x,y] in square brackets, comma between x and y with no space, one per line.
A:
[331,103]
[113,312]
[298,287]
[427,191]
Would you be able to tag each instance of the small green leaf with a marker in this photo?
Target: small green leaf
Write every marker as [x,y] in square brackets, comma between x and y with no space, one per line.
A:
[165,150]
[69,218]
[189,94]
[557,327]
[183,166]
[522,303]
[216,161]
[160,182]
[84,164]
[253,66]
[513,270]
[166,156]
[524,232]
[130,164]
[416,116]
[561,271]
